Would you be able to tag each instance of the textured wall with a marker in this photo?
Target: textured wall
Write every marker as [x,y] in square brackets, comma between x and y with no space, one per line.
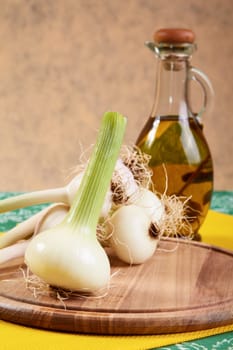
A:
[64,62]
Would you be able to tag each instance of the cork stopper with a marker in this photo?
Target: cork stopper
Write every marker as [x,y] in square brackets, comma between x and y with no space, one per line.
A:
[174,36]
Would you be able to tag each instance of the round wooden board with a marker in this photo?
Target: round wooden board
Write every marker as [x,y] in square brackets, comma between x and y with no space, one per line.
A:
[185,286]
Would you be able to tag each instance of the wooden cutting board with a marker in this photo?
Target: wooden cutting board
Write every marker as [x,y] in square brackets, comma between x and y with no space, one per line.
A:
[185,286]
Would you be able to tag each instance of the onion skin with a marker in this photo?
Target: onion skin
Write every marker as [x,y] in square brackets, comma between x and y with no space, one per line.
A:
[129,230]
[150,202]
[67,260]
[14,251]
[69,256]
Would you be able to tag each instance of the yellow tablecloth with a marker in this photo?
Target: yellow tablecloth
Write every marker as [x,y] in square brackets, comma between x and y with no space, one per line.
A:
[217,229]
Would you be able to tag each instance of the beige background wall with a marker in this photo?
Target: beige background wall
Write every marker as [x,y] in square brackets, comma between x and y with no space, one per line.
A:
[64,62]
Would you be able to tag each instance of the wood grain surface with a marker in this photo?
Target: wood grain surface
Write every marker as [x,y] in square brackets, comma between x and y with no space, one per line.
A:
[185,286]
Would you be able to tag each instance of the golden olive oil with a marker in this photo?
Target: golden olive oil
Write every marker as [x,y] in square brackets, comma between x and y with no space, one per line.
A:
[181,162]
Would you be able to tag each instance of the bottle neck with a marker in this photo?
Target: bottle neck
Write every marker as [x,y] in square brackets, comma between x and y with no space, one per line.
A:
[171,88]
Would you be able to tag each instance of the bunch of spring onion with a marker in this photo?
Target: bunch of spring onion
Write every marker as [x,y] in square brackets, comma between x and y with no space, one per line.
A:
[108,203]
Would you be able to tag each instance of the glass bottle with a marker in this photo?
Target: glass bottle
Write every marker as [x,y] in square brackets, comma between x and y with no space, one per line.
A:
[173,135]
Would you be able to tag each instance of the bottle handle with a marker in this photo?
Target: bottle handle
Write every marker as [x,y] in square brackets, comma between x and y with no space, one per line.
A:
[207,88]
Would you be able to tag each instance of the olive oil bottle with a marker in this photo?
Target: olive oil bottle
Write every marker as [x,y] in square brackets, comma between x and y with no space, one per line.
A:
[173,135]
